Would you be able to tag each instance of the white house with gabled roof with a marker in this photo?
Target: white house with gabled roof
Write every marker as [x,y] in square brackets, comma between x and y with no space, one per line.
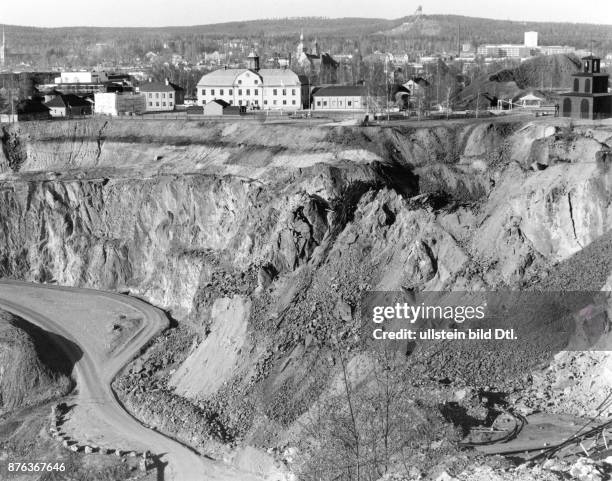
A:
[253,88]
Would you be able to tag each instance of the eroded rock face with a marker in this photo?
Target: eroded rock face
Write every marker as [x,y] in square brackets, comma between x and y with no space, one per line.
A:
[297,224]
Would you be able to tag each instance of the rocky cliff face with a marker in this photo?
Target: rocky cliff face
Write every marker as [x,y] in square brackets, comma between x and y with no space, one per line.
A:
[289,226]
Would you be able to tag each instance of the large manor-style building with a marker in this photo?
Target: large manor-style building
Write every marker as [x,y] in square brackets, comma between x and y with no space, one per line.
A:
[254,88]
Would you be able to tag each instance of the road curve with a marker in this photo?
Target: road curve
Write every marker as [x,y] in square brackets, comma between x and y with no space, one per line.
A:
[49,307]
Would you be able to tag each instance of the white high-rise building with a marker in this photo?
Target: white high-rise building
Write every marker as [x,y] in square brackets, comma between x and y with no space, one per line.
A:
[3,51]
[531,39]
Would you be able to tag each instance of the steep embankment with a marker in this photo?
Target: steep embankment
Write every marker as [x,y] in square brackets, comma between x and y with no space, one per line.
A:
[30,372]
[266,238]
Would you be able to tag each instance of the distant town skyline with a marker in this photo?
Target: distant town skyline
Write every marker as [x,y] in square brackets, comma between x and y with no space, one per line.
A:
[157,13]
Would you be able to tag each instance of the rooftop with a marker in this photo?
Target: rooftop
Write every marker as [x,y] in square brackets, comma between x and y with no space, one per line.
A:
[269,76]
[159,87]
[340,91]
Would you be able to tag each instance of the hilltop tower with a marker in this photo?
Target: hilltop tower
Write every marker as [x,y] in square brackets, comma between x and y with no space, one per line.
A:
[589,98]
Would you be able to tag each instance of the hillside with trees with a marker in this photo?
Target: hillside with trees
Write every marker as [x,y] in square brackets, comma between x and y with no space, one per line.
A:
[423,34]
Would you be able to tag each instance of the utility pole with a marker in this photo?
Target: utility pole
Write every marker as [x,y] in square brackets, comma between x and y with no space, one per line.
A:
[438,82]
[387,86]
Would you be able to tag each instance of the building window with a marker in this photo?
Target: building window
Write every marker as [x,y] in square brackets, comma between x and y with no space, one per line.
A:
[220,91]
[212,91]
[203,91]
[587,85]
[293,102]
[239,91]
[150,104]
[265,102]
[274,92]
[576,85]
[150,95]
[584,109]
[231,102]
[325,103]
[163,104]
[157,94]
[256,81]
[256,102]
[292,91]
[318,103]
[239,82]
[284,91]
[248,91]
[567,108]
[349,103]
[157,104]
[256,92]
[284,102]
[164,96]
[170,95]
[274,102]
[240,102]
[231,92]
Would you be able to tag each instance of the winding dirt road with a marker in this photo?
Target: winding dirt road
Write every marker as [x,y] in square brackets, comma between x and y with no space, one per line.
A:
[82,316]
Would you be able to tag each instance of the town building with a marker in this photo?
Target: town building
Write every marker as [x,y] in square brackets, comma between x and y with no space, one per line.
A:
[83,83]
[313,62]
[340,97]
[505,51]
[529,48]
[162,96]
[416,86]
[32,109]
[119,103]
[253,88]
[529,101]
[531,39]
[68,106]
[589,98]
[221,107]
[3,50]
[556,49]
[81,77]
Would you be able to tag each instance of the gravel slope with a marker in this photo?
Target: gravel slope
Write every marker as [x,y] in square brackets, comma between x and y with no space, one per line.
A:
[52,308]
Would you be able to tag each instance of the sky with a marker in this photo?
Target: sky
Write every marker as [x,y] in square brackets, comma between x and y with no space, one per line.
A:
[153,13]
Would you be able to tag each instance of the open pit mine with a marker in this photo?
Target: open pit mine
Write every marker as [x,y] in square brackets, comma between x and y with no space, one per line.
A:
[185,300]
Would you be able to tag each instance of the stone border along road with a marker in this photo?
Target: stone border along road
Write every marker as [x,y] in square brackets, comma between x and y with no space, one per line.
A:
[95,371]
